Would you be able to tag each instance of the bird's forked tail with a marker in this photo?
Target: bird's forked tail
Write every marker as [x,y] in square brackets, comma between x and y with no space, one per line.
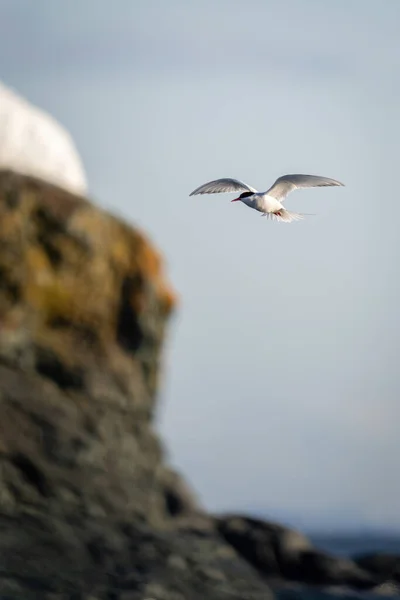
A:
[284,216]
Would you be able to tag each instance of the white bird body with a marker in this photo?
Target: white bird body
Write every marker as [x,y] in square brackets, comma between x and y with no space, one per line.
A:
[269,203]
[262,202]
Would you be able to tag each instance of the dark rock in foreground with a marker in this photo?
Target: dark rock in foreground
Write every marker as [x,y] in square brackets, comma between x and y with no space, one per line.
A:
[284,554]
[104,558]
[382,565]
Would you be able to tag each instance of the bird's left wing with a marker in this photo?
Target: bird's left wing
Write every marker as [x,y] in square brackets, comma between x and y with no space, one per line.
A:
[287,183]
[223,185]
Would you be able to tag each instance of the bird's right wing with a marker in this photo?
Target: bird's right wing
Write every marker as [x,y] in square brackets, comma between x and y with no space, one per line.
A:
[223,185]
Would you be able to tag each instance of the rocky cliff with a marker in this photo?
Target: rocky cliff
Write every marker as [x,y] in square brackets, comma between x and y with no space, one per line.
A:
[89,509]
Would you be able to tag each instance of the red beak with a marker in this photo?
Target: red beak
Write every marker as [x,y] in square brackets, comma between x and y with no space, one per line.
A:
[235,199]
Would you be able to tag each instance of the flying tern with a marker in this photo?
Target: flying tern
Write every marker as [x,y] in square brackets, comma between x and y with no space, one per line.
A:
[269,203]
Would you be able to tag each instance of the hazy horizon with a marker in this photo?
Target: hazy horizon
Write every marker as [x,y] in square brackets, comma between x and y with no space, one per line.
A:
[281,380]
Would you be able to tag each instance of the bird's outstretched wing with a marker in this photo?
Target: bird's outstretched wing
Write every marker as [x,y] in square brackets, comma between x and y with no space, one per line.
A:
[287,183]
[223,185]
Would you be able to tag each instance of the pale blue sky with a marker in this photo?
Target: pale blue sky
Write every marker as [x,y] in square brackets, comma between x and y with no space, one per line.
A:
[281,373]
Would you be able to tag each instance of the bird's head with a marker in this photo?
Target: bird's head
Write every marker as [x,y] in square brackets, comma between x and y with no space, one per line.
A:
[242,197]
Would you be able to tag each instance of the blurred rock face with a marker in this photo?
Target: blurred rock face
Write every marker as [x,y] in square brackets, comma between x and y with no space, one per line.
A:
[33,143]
[83,309]
[87,504]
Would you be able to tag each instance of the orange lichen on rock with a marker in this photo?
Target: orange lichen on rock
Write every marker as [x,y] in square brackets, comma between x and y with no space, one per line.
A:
[72,267]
